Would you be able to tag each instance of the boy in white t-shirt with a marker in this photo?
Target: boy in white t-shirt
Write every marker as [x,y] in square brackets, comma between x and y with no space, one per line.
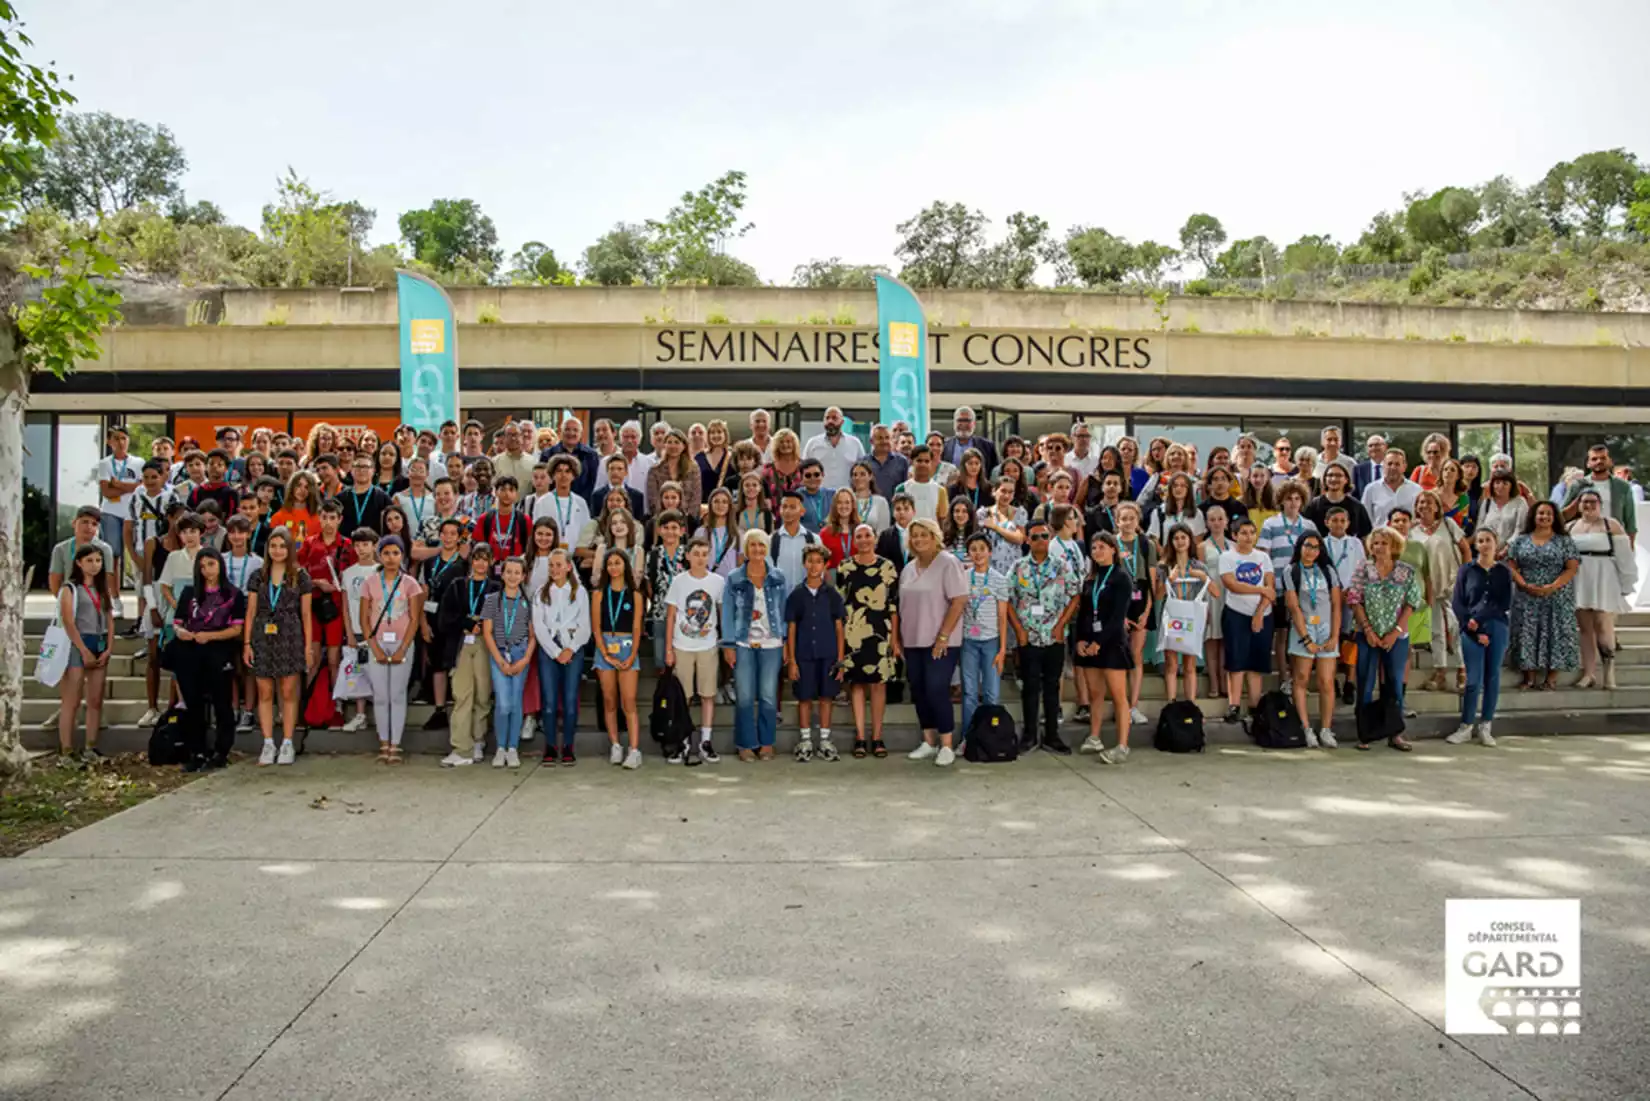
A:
[365,542]
[1346,554]
[1246,623]
[693,615]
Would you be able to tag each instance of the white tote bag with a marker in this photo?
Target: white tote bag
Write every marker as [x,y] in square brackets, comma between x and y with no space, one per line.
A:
[352,678]
[1183,623]
[54,649]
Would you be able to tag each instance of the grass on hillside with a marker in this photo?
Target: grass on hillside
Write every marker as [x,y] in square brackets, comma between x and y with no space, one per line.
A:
[60,796]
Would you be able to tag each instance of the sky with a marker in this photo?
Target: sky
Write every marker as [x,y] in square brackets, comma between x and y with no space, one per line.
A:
[1280,117]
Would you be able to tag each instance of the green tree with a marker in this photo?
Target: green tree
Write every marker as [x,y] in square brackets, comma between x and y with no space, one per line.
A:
[1312,252]
[1098,257]
[1012,263]
[1444,219]
[1600,186]
[621,257]
[1384,242]
[1201,238]
[203,213]
[833,274]
[534,264]
[940,246]
[1250,258]
[1638,213]
[697,230]
[1150,260]
[452,235]
[1511,215]
[722,270]
[98,164]
[50,333]
[309,233]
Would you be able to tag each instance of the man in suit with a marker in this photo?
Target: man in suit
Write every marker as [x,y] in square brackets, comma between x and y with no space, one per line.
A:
[612,481]
[1369,471]
[572,443]
[963,421]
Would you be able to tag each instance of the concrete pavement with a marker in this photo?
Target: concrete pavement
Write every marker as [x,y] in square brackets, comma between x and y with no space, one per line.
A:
[1240,924]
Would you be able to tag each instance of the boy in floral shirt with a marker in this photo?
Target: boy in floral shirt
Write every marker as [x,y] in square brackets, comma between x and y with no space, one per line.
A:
[1041,593]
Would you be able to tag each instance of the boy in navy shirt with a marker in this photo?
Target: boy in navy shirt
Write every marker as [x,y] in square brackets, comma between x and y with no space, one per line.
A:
[814,649]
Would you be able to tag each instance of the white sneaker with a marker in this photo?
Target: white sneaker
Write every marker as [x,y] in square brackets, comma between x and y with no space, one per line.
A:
[1116,755]
[529,727]
[150,718]
[804,749]
[1462,735]
[498,757]
[287,753]
[1287,686]
[1311,738]
[1326,738]
[945,756]
[359,722]
[478,753]
[615,754]
[923,752]
[455,760]
[1091,744]
[512,758]
[1484,735]
[267,755]
[1137,716]
[633,759]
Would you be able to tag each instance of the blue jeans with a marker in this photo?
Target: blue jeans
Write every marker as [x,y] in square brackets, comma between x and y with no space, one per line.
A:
[980,680]
[1390,662]
[507,700]
[756,680]
[1483,668]
[559,697]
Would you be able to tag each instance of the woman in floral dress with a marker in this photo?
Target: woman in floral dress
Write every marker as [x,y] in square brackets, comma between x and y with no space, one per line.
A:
[869,585]
[1545,636]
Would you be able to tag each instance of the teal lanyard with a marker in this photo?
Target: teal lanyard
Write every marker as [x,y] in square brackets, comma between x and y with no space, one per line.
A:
[1040,577]
[508,613]
[246,564]
[564,518]
[389,597]
[864,508]
[1340,560]
[360,506]
[1129,556]
[1314,583]
[1100,587]
[442,565]
[614,607]
[977,599]
[417,504]
[257,532]
[477,596]
[274,595]
[718,542]
[748,518]
[816,506]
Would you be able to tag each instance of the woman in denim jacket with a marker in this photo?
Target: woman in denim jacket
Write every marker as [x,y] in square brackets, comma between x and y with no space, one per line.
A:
[753,643]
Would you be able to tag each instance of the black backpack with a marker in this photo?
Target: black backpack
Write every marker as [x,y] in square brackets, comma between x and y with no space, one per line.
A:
[167,743]
[991,736]
[1273,724]
[1379,719]
[1179,728]
[670,724]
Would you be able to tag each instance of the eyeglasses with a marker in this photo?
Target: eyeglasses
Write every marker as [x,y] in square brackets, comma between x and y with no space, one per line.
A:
[1038,537]
[812,475]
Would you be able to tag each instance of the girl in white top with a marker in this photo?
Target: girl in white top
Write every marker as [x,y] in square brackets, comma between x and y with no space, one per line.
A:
[721,533]
[619,531]
[1215,543]
[561,626]
[1179,506]
[1004,522]
[1608,575]
[872,508]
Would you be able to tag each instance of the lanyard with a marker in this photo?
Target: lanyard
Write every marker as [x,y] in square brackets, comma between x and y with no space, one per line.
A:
[1314,581]
[274,595]
[864,507]
[1040,576]
[564,518]
[477,598]
[361,505]
[748,518]
[973,495]
[493,539]
[718,541]
[124,474]
[816,506]
[389,597]
[442,565]
[97,601]
[977,599]
[508,613]
[1340,559]
[1292,530]
[481,502]
[418,504]
[1100,587]
[246,564]
[1130,554]
[614,608]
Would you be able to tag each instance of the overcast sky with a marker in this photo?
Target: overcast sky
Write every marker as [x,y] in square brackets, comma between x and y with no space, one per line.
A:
[1281,117]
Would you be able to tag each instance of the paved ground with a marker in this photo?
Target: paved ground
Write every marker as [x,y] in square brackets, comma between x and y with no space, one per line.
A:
[1240,925]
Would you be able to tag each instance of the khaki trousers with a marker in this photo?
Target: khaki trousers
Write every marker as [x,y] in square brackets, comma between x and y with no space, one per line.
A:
[472,686]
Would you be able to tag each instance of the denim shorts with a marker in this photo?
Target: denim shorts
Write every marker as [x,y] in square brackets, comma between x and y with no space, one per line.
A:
[94,643]
[619,643]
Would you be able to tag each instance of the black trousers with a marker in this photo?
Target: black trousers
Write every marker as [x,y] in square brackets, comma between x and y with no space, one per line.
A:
[205,673]
[1040,668]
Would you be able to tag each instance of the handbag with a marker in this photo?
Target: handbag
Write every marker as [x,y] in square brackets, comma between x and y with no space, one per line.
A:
[1183,623]
[327,610]
[53,660]
[1380,719]
[352,681]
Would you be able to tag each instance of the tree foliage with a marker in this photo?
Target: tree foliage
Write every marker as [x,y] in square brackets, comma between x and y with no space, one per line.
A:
[98,164]
[453,235]
[1013,262]
[308,233]
[1250,258]
[1201,238]
[1311,252]
[690,242]
[534,264]
[620,257]
[939,246]
[833,274]
[1444,219]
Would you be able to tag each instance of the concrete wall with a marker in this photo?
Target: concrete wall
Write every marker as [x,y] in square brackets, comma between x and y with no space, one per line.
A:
[980,309]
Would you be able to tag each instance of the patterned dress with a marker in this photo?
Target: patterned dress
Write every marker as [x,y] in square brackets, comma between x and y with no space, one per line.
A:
[871,594]
[1544,630]
[281,653]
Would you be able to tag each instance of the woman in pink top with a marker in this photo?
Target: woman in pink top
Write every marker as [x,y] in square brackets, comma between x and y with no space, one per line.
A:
[392,613]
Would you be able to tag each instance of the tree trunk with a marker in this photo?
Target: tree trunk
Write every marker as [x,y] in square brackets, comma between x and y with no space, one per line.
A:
[14,399]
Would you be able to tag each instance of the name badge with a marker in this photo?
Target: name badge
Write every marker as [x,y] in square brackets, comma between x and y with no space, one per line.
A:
[469,640]
[1312,621]
[388,638]
[1035,609]
[1099,626]
[272,629]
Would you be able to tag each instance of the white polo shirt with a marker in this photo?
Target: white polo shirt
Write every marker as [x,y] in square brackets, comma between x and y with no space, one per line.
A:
[1380,499]
[129,469]
[837,459]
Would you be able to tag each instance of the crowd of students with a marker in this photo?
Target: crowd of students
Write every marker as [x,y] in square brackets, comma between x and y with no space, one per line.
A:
[484,580]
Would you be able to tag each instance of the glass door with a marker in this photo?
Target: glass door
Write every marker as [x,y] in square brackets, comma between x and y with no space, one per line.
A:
[1482,440]
[997,424]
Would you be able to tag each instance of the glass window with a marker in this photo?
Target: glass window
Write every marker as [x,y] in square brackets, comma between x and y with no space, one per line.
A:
[1204,436]
[1530,457]
[1301,434]
[1629,447]
[79,449]
[145,430]
[1406,435]
[1482,440]
[38,532]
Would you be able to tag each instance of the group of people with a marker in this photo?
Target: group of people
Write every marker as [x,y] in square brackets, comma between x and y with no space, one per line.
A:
[484,580]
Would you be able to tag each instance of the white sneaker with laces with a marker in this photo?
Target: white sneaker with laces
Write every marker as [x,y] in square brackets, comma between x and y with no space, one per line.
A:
[923,752]
[498,757]
[455,760]
[945,756]
[529,727]
[359,722]
[287,754]
[1137,716]
[512,758]
[150,718]
[804,750]
[1326,738]
[615,754]
[1484,735]
[826,751]
[478,753]
[676,758]
[1462,735]
[709,754]
[633,759]
[1311,738]
[1116,755]
[267,755]
[1091,744]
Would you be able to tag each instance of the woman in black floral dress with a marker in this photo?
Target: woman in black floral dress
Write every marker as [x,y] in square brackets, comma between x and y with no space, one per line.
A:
[870,590]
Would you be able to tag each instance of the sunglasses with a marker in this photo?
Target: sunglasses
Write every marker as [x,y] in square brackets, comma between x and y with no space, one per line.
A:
[1039,537]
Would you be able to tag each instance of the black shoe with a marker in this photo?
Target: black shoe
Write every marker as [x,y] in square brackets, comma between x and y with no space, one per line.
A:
[1055,745]
[550,758]
[692,758]
[195,764]
[133,631]
[217,761]
[1348,693]
[436,721]
[1081,715]
[567,757]
[1233,715]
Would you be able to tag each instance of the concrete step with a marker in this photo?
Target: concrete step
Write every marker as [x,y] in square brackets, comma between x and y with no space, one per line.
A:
[128,665]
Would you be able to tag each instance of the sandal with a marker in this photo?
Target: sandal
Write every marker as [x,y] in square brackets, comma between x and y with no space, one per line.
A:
[1549,686]
[859,747]
[747,755]
[1363,747]
[765,753]
[877,748]
[1399,744]
[384,754]
[395,757]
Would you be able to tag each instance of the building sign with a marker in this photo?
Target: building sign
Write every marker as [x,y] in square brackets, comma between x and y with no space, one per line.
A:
[719,346]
